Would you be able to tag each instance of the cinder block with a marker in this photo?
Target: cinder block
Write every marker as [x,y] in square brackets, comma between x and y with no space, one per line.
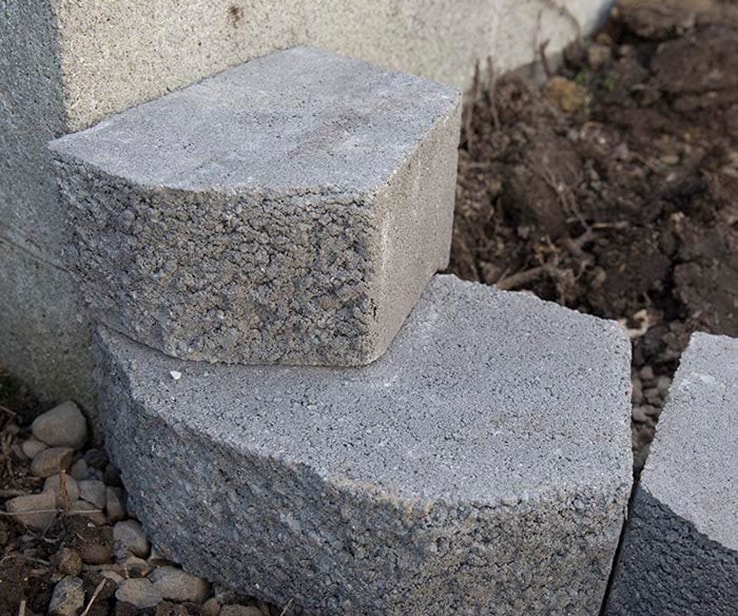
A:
[290,210]
[481,466]
[680,548]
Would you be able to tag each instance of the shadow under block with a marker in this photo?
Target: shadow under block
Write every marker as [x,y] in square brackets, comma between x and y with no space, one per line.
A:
[481,466]
[290,210]
[680,549]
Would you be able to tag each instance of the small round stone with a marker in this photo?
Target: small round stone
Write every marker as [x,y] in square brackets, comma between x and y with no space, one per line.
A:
[68,597]
[94,492]
[36,511]
[51,461]
[179,585]
[69,493]
[133,566]
[68,561]
[211,607]
[639,414]
[62,426]
[32,447]
[139,592]
[130,537]
[647,373]
[114,507]
[90,511]
[79,469]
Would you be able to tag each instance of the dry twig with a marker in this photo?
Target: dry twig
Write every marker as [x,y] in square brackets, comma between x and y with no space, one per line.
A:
[94,596]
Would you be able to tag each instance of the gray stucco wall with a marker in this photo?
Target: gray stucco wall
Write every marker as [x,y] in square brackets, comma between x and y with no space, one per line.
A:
[44,336]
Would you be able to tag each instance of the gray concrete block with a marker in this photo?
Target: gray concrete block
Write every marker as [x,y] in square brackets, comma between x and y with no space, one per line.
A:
[290,210]
[680,548]
[481,466]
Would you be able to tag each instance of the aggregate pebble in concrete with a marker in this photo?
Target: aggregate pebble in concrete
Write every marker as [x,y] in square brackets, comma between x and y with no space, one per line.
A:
[481,466]
[289,210]
[680,549]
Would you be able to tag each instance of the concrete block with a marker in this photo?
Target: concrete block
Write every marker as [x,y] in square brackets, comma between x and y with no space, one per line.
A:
[290,210]
[680,548]
[481,466]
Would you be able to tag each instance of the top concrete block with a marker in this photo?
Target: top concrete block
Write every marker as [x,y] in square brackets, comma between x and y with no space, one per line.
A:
[290,210]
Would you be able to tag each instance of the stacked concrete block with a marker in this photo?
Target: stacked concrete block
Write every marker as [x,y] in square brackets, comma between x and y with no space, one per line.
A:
[290,210]
[481,466]
[680,549]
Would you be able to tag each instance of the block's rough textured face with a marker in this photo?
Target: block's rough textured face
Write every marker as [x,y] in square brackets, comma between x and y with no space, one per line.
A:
[290,210]
[680,550]
[481,466]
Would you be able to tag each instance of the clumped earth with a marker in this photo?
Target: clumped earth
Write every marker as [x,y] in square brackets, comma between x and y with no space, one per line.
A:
[612,189]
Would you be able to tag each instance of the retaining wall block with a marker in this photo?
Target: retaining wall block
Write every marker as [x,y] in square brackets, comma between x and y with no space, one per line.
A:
[481,466]
[289,210]
[680,548]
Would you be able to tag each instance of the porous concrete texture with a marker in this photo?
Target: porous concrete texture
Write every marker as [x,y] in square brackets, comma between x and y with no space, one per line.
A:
[290,210]
[481,466]
[119,54]
[44,332]
[680,549]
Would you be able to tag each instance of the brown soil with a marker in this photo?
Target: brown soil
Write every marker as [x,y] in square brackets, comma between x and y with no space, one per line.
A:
[613,188]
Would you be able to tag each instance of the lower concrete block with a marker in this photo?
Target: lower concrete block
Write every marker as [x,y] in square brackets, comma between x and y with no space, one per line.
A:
[481,466]
[680,549]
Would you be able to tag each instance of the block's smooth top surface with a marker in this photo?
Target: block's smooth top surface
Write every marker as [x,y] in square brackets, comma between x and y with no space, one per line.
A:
[693,467]
[483,397]
[294,121]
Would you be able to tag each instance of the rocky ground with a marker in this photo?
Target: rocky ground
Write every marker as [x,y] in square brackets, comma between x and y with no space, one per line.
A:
[69,544]
[611,189]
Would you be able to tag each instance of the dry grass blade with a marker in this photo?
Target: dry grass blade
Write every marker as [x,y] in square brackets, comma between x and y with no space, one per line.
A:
[22,608]
[94,596]
[283,612]
[5,409]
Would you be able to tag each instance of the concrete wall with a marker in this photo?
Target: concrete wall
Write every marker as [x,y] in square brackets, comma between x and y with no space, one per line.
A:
[118,54]
[44,336]
[65,64]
